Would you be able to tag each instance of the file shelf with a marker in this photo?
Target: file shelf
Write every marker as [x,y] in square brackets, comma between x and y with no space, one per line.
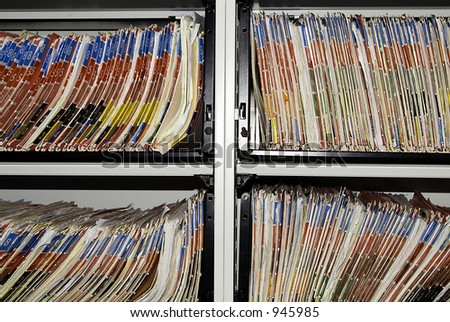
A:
[107,179]
[89,17]
[250,149]
[359,171]
[221,156]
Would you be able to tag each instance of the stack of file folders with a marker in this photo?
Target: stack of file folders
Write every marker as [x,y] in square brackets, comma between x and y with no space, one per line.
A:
[60,252]
[134,89]
[323,244]
[337,83]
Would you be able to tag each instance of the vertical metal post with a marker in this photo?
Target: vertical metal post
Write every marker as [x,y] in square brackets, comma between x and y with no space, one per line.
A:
[244,75]
[206,292]
[244,251]
[209,76]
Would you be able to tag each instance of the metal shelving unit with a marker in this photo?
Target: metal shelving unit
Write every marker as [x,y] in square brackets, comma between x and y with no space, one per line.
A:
[92,16]
[392,172]
[149,178]
[223,162]
[246,130]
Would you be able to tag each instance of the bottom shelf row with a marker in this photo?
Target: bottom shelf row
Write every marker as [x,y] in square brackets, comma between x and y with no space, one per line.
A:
[330,244]
[294,243]
[63,252]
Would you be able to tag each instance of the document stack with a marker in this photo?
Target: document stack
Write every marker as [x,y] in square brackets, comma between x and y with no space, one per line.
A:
[337,83]
[60,252]
[134,89]
[326,244]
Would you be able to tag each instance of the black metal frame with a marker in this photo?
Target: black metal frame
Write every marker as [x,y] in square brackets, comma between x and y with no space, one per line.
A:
[196,148]
[209,78]
[247,151]
[107,182]
[244,252]
[391,184]
[206,291]
[243,75]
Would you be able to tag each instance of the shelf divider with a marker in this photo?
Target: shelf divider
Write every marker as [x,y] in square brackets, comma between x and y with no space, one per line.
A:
[104,169]
[321,169]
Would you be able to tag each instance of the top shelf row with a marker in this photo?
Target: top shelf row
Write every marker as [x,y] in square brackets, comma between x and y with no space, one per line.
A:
[310,87]
[87,91]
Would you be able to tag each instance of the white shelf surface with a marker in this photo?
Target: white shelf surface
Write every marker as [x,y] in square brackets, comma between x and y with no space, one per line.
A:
[103,169]
[365,11]
[95,14]
[346,170]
